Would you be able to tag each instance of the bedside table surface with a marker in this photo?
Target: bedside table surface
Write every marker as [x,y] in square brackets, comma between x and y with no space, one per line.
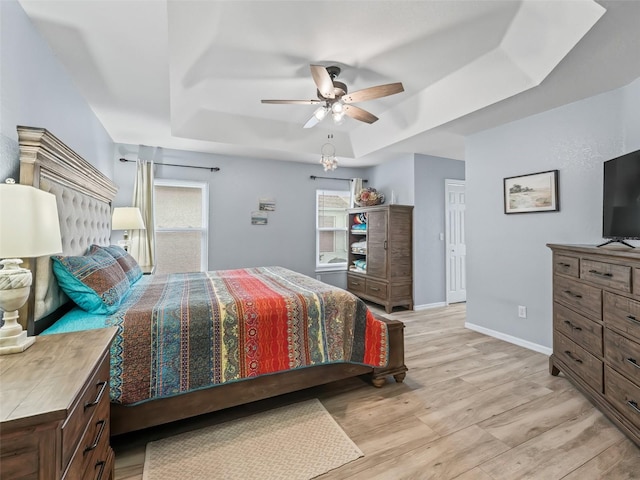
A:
[41,383]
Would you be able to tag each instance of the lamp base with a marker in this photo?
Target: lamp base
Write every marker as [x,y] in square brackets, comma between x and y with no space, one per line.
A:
[16,343]
[15,283]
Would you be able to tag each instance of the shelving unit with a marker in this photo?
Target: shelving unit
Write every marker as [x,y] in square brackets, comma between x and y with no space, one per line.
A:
[385,247]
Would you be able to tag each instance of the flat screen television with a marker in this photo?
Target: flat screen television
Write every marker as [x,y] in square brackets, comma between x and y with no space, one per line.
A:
[621,198]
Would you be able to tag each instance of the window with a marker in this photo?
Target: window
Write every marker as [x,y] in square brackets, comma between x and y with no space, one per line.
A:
[181,219]
[331,229]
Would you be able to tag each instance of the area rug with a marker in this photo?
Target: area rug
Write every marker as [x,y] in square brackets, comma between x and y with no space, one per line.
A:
[299,441]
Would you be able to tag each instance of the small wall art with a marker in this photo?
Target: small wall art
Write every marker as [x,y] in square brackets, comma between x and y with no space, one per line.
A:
[268,204]
[535,192]
[259,217]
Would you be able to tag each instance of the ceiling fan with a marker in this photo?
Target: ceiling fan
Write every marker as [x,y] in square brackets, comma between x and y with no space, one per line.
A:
[335,99]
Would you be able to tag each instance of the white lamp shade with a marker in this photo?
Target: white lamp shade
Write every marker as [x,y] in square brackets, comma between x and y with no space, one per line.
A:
[29,225]
[127,218]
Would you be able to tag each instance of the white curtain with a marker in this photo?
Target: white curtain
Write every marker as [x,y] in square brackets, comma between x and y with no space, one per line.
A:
[356,186]
[143,241]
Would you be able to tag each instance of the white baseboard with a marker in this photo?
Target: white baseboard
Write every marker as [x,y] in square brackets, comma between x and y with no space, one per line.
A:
[427,306]
[508,338]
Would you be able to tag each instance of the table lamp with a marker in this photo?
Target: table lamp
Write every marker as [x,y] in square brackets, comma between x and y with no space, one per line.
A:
[29,228]
[127,218]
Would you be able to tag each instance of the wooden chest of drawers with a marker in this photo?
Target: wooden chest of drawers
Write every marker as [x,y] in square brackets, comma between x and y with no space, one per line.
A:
[596,328]
[54,409]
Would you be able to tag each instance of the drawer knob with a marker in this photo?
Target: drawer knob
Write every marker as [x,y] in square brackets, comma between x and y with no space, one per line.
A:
[570,355]
[574,295]
[566,265]
[633,362]
[633,318]
[633,404]
[96,441]
[601,274]
[103,386]
[375,289]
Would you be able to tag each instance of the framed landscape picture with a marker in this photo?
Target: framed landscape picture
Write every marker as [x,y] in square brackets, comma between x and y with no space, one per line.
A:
[535,192]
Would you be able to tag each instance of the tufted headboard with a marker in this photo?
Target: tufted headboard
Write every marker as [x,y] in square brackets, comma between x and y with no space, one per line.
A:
[84,197]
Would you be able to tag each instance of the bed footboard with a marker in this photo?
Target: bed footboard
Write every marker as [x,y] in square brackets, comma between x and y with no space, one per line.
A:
[157,412]
[396,366]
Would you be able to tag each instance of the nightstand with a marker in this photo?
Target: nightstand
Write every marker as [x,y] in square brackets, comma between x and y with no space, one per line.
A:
[54,408]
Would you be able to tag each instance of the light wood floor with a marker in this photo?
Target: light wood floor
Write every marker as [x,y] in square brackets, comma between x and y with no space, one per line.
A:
[471,407]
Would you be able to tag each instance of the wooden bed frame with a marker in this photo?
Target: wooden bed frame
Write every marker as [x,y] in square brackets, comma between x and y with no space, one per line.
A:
[84,198]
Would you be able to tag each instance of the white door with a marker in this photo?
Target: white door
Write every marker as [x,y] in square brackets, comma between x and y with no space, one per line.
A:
[456,249]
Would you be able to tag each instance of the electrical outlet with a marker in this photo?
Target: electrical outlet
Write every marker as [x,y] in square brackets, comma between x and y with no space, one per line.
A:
[522,311]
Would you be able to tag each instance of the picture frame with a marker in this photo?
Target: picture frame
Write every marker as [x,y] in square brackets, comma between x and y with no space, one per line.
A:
[532,193]
[259,217]
[267,204]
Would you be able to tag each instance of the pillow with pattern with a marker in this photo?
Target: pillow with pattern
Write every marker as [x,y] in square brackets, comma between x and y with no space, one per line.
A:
[124,258]
[95,282]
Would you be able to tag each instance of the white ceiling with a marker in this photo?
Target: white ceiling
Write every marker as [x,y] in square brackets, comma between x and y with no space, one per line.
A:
[190,74]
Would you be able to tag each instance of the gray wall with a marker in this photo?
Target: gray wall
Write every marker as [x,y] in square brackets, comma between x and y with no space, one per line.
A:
[428,222]
[289,237]
[509,264]
[36,91]
[395,176]
[419,180]
[631,102]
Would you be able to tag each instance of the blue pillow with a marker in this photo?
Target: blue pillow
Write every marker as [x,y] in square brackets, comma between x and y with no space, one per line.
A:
[131,268]
[95,282]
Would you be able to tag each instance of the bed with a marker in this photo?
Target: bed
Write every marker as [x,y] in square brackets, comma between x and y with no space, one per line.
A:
[320,333]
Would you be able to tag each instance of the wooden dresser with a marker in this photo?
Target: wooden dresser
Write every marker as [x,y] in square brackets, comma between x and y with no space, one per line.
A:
[386,247]
[596,328]
[54,409]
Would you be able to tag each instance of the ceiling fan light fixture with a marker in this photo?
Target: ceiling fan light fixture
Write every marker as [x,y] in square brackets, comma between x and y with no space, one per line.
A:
[335,99]
[320,113]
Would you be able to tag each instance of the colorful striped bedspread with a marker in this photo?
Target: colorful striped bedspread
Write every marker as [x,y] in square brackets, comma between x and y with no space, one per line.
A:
[183,332]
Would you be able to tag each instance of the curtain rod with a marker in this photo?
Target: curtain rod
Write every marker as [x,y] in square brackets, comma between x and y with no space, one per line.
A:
[213,169]
[315,177]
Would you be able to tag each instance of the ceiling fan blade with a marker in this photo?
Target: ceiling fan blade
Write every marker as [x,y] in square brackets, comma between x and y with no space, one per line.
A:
[322,80]
[293,102]
[359,114]
[373,92]
[312,122]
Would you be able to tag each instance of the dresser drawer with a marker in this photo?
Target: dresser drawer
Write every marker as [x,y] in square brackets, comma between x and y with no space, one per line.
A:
[94,445]
[355,284]
[566,265]
[581,330]
[376,289]
[623,355]
[578,296]
[94,394]
[623,394]
[622,314]
[608,275]
[585,365]
[401,290]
